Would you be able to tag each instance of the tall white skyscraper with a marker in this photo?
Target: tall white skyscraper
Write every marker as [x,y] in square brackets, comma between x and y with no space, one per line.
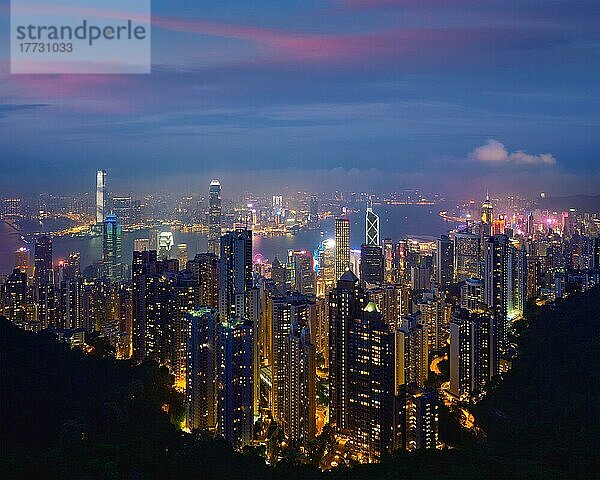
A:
[372,225]
[100,186]
[214,217]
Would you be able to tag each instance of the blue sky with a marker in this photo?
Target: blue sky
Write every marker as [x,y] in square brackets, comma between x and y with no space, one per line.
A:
[446,95]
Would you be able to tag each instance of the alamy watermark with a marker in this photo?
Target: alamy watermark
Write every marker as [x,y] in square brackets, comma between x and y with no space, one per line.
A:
[74,36]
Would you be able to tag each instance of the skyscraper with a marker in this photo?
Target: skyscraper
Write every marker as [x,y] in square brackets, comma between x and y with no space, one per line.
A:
[412,352]
[182,255]
[487,216]
[371,264]
[371,225]
[444,261]
[466,256]
[201,368]
[292,380]
[100,187]
[205,268]
[346,304]
[370,383]
[303,272]
[342,246]
[235,278]
[235,381]
[214,216]
[473,352]
[43,259]
[22,259]
[111,248]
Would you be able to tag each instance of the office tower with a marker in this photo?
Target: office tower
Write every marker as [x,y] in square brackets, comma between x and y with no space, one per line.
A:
[214,217]
[141,245]
[205,268]
[473,352]
[444,262]
[505,278]
[165,245]
[371,265]
[390,261]
[420,277]
[100,187]
[235,381]
[182,255]
[201,368]
[487,216]
[371,225]
[412,352]
[370,384]
[346,304]
[466,256]
[342,246]
[304,279]
[472,294]
[111,248]
[235,277]
[70,303]
[320,334]
[596,253]
[292,315]
[16,296]
[325,267]
[22,259]
[43,260]
[418,411]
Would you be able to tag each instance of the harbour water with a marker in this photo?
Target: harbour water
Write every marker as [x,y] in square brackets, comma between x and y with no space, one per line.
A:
[397,221]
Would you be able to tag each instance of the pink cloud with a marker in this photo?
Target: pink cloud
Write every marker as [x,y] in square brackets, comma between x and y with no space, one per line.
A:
[494,152]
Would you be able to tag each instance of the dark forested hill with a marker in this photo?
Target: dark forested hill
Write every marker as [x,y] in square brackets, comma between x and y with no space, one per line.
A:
[64,414]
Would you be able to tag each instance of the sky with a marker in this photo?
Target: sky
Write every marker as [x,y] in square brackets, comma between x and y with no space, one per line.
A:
[445,95]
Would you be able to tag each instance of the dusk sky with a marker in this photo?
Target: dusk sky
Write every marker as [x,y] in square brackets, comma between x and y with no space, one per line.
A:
[324,94]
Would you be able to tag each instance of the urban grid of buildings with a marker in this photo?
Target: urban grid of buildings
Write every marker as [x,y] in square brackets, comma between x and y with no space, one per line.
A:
[270,353]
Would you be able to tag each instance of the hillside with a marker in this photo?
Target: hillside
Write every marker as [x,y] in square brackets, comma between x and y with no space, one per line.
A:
[69,415]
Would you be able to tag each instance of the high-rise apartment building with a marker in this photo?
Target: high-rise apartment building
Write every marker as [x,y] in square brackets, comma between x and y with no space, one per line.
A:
[342,246]
[235,277]
[444,261]
[111,248]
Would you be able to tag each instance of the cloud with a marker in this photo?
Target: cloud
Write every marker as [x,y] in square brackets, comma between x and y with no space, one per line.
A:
[494,152]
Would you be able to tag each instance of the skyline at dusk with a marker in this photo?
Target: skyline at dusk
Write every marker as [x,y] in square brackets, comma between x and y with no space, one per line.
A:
[443,96]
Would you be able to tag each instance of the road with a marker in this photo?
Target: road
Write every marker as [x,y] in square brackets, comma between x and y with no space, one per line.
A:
[435,364]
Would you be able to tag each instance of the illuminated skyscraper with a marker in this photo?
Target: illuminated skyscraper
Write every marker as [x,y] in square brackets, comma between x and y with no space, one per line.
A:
[182,255]
[141,245]
[466,256]
[487,216]
[205,268]
[474,355]
[346,304]
[303,272]
[371,265]
[235,370]
[43,259]
[418,412]
[412,352]
[201,368]
[372,225]
[100,191]
[342,246]
[444,261]
[235,278]
[291,318]
[22,259]
[165,245]
[111,248]
[370,383]
[214,216]
[16,296]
